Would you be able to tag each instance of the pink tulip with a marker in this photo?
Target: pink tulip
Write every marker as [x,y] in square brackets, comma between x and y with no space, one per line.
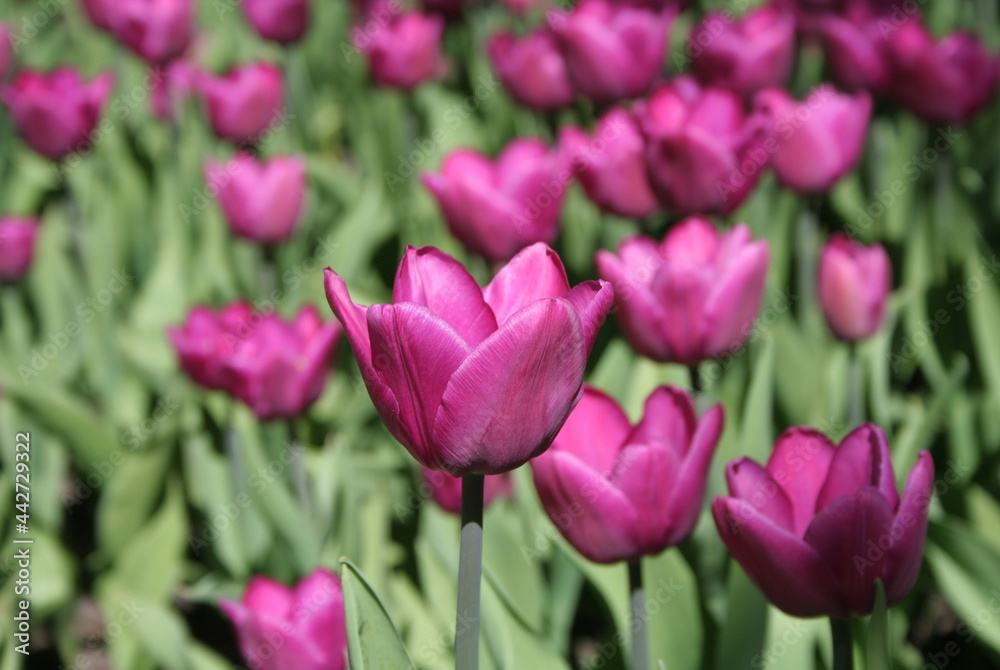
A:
[611,165]
[612,52]
[156,30]
[475,380]
[281,21]
[497,208]
[747,55]
[854,283]
[447,490]
[97,12]
[854,44]
[243,103]
[704,153]
[17,246]
[532,69]
[406,51]
[207,340]
[262,200]
[279,628]
[817,140]
[692,297]
[56,112]
[618,492]
[820,524]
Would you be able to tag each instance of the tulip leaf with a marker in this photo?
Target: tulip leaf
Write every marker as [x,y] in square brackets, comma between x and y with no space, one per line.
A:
[373,643]
[965,593]
[877,645]
[742,636]
[673,614]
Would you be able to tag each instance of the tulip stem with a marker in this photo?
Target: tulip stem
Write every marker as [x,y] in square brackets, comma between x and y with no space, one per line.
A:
[696,388]
[470,570]
[640,636]
[843,649]
[855,388]
[300,479]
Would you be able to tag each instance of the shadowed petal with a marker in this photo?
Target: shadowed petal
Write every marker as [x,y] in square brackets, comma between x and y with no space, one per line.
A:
[909,530]
[750,482]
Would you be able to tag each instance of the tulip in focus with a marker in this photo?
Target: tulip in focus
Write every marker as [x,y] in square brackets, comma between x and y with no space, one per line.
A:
[404,52]
[281,21]
[243,103]
[618,492]
[447,490]
[17,246]
[56,112]
[475,380]
[532,69]
[611,165]
[156,30]
[854,283]
[820,524]
[819,139]
[262,200]
[309,622]
[692,297]
[496,208]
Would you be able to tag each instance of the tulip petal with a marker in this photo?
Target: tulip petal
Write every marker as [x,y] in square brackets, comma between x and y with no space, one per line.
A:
[749,481]
[862,459]
[638,312]
[594,432]
[319,614]
[266,595]
[668,418]
[646,474]
[735,300]
[682,291]
[909,530]
[592,301]
[689,487]
[536,272]
[800,463]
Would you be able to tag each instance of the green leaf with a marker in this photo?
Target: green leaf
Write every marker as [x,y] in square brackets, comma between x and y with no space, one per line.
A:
[742,635]
[373,642]
[673,614]
[150,565]
[877,645]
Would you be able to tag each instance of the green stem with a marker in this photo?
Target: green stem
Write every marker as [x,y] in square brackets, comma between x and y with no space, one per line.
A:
[843,650]
[299,477]
[640,635]
[470,570]
[855,388]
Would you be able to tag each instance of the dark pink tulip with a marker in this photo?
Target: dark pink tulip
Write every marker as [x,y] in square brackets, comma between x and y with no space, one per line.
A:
[281,21]
[854,43]
[243,103]
[532,69]
[447,490]
[854,283]
[262,200]
[619,492]
[279,628]
[496,208]
[97,13]
[818,525]
[56,112]
[612,52]
[692,297]
[747,54]
[156,30]
[207,340]
[817,140]
[475,380]
[17,246]
[406,51]
[611,165]
[703,152]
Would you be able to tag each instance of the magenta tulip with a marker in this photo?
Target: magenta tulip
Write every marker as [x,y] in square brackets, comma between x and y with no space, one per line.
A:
[207,340]
[532,69]
[611,165]
[17,246]
[692,297]
[279,628]
[613,52]
[243,103]
[704,153]
[496,208]
[262,200]
[820,524]
[618,492]
[854,283]
[57,112]
[406,51]
[745,55]
[854,44]
[156,30]
[475,380]
[281,21]
[97,13]
[446,490]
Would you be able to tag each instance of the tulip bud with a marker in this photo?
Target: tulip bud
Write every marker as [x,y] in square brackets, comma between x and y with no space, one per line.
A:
[854,283]
[406,51]
[281,21]
[17,246]
[447,490]
[692,297]
[156,30]
[532,69]
[243,103]
[207,340]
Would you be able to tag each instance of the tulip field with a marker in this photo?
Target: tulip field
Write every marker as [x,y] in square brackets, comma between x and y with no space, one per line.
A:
[500,334]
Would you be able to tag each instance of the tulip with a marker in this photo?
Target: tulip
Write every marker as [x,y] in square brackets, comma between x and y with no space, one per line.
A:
[532,69]
[746,55]
[447,490]
[474,380]
[281,21]
[854,283]
[611,166]
[704,153]
[692,297]
[156,30]
[175,83]
[57,112]
[820,524]
[854,44]
[207,340]
[618,492]
[612,52]
[262,200]
[308,623]
[17,246]
[497,208]
[818,140]
[243,103]
[406,51]
[97,13]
